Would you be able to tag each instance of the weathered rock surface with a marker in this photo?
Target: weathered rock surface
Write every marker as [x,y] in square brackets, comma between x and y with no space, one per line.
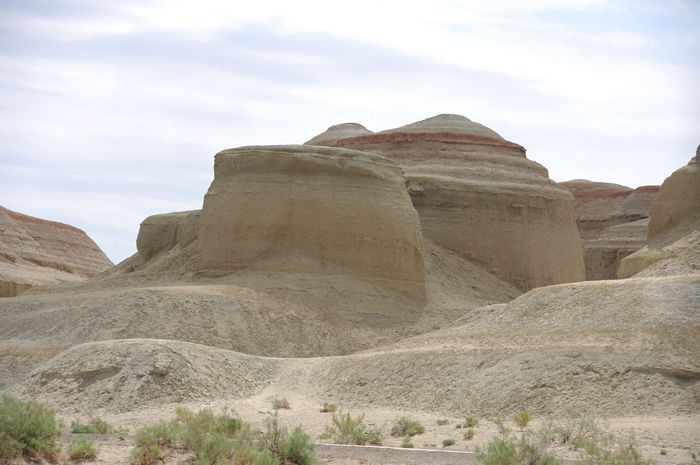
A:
[676,211]
[313,210]
[612,220]
[339,131]
[479,196]
[125,375]
[674,229]
[35,251]
[160,233]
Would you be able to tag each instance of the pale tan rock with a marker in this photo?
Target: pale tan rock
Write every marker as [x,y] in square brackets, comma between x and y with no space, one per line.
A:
[160,233]
[314,210]
[613,222]
[680,258]
[479,196]
[38,252]
[339,131]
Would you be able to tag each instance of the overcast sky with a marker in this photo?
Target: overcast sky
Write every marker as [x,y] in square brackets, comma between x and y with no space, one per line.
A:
[109,114]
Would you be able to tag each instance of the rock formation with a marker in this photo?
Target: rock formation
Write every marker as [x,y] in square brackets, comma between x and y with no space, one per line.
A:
[313,210]
[612,220]
[674,226]
[160,233]
[35,251]
[478,195]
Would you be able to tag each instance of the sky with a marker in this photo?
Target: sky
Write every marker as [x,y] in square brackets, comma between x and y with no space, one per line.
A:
[113,111]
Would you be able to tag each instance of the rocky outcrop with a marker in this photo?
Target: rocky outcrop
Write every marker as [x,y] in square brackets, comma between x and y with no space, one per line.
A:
[339,131]
[612,220]
[313,210]
[160,233]
[674,227]
[478,195]
[35,251]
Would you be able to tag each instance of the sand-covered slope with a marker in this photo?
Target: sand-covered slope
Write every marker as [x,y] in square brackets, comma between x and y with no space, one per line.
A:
[478,195]
[126,375]
[35,251]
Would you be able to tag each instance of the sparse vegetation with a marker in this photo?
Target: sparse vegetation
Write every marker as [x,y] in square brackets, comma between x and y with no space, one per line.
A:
[442,422]
[663,451]
[27,428]
[81,450]
[223,439]
[471,422]
[575,429]
[469,434]
[406,427]
[406,443]
[278,404]
[94,426]
[507,449]
[346,429]
[695,457]
[329,408]
[522,419]
[448,442]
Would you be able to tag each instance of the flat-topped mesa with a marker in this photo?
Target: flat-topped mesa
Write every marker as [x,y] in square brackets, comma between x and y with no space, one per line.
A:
[311,209]
[34,251]
[612,220]
[478,195]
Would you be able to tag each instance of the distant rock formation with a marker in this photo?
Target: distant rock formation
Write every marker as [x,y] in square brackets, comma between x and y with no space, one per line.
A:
[160,233]
[674,228]
[478,195]
[612,220]
[35,251]
[314,210]
[339,131]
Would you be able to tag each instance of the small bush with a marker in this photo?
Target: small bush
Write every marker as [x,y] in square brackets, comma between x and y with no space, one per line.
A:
[507,449]
[695,457]
[344,429]
[94,426]
[469,434]
[406,427]
[471,422]
[522,419]
[278,404]
[443,422]
[607,449]
[329,408]
[83,449]
[448,442]
[406,443]
[295,448]
[27,428]
[152,443]
[663,451]
[575,429]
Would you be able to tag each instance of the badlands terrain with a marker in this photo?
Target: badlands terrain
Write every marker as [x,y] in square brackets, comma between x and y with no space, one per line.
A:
[431,270]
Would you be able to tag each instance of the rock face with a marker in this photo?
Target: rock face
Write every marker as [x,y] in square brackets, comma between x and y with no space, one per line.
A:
[311,209]
[612,220]
[160,233]
[339,131]
[674,227]
[35,251]
[479,196]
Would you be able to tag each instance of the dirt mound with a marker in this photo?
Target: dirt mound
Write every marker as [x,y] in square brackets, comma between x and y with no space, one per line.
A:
[35,252]
[606,347]
[126,375]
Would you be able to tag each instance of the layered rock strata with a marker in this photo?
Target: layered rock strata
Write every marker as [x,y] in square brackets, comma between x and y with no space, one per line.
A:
[612,220]
[311,209]
[35,251]
[478,195]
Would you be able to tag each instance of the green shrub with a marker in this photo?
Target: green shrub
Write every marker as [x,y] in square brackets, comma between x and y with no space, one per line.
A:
[607,449]
[344,429]
[329,408]
[152,443]
[443,422]
[83,449]
[194,428]
[448,442]
[575,429]
[695,457]
[522,419]
[406,427]
[295,448]
[27,428]
[507,449]
[406,443]
[280,404]
[469,434]
[471,422]
[94,426]
[663,451]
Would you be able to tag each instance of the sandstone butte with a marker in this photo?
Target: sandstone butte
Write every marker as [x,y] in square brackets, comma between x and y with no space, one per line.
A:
[35,252]
[478,195]
[613,223]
